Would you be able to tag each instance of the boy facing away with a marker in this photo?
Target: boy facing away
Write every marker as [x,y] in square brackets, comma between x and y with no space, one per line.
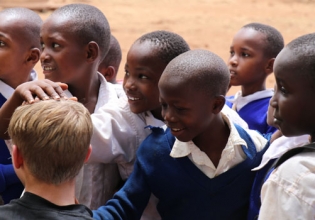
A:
[110,65]
[252,54]
[19,52]
[289,191]
[47,155]
[192,174]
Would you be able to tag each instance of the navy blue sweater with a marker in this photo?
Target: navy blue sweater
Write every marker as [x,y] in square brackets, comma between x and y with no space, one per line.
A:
[184,192]
[255,114]
[10,185]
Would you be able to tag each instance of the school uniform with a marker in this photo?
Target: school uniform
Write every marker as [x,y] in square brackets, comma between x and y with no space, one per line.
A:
[277,148]
[253,109]
[118,133]
[289,191]
[96,183]
[10,185]
[185,181]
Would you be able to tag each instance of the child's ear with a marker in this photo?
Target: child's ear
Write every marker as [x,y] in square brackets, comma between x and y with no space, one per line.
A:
[110,74]
[17,158]
[88,154]
[269,66]
[33,56]
[93,51]
[219,103]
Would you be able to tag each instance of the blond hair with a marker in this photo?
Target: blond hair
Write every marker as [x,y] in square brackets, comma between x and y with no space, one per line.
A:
[53,138]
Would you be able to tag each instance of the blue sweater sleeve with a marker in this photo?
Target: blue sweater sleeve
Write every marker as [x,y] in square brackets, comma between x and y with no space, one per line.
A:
[7,177]
[130,201]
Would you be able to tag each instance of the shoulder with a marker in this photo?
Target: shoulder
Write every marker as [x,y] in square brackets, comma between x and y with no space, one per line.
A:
[296,176]
[289,191]
[160,141]
[299,166]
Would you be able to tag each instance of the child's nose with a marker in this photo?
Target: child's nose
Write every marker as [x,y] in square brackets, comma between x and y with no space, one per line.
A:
[130,85]
[44,56]
[168,115]
[273,102]
[233,60]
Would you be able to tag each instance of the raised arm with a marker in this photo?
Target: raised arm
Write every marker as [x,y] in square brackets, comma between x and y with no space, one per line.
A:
[42,89]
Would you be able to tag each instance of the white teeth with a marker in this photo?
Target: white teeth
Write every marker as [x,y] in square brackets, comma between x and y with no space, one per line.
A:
[176,129]
[47,68]
[133,99]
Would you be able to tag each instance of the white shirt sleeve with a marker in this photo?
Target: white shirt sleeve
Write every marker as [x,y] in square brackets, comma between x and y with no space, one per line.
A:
[116,133]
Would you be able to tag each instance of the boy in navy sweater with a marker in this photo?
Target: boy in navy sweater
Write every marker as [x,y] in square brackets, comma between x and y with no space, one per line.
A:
[252,53]
[199,167]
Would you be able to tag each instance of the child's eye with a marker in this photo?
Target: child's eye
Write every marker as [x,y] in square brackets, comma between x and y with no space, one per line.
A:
[232,53]
[283,90]
[54,45]
[178,108]
[2,43]
[245,54]
[127,73]
[42,45]
[141,76]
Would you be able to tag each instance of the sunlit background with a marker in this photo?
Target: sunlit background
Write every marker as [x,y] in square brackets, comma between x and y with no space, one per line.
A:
[208,24]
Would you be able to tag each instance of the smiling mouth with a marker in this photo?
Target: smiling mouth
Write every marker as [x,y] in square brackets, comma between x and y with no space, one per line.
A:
[177,129]
[133,98]
[232,72]
[48,68]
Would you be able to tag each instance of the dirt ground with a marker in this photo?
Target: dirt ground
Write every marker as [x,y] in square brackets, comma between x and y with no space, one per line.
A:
[207,24]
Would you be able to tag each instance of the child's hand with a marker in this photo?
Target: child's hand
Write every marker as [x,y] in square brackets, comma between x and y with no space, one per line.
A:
[41,89]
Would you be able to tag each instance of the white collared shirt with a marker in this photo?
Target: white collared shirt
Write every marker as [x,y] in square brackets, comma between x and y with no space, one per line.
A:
[280,146]
[289,192]
[231,155]
[240,101]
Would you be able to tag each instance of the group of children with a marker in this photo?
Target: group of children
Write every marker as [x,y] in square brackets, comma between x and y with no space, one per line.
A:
[170,145]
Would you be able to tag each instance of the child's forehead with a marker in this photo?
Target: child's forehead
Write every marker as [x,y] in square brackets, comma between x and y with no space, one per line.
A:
[250,36]
[145,53]
[12,28]
[286,60]
[60,23]
[147,47]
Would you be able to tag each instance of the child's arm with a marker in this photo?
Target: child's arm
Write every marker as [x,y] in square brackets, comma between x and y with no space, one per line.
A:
[43,89]
[130,201]
[117,133]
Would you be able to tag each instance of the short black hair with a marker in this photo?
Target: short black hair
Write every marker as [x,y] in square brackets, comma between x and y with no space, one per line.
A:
[274,39]
[168,44]
[113,56]
[31,23]
[202,70]
[88,23]
[303,48]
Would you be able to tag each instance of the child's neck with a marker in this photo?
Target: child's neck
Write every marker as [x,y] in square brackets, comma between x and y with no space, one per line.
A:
[251,89]
[87,92]
[61,195]
[213,141]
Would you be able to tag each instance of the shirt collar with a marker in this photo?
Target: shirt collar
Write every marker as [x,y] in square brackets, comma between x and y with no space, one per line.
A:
[6,90]
[106,92]
[240,101]
[183,149]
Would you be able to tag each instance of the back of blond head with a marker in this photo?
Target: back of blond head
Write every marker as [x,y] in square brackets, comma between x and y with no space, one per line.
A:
[53,138]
